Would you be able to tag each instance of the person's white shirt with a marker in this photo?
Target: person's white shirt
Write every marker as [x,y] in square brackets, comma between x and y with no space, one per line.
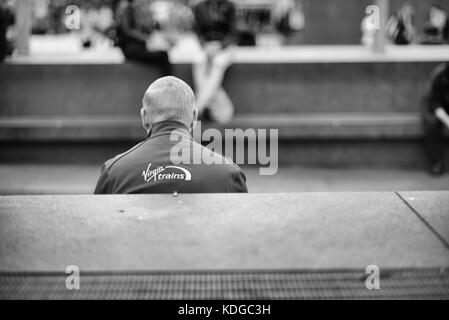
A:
[368,32]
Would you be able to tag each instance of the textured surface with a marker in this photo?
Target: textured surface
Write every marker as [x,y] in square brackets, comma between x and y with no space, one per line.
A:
[332,154]
[394,284]
[433,208]
[290,126]
[300,87]
[214,232]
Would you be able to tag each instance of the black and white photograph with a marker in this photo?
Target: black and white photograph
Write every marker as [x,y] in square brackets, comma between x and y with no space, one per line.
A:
[224,156]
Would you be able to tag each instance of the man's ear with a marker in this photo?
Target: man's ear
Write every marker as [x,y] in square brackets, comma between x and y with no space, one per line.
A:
[195,118]
[145,119]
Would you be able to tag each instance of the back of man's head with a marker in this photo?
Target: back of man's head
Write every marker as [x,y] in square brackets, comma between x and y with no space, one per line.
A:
[169,99]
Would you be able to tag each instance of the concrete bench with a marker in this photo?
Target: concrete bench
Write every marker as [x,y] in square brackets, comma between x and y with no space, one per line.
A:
[367,140]
[296,126]
[254,238]
[340,139]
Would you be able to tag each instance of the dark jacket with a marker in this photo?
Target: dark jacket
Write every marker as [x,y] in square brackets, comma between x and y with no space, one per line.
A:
[7,19]
[128,30]
[438,92]
[215,20]
[147,167]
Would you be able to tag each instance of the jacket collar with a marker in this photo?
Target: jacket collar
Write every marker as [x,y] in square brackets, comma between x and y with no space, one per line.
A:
[166,128]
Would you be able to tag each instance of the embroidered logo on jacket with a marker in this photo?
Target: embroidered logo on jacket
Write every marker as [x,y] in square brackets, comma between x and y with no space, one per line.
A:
[159,174]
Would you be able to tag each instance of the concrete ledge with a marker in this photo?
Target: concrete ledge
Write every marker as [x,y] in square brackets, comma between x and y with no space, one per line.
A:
[291,126]
[323,54]
[216,232]
[57,50]
[321,87]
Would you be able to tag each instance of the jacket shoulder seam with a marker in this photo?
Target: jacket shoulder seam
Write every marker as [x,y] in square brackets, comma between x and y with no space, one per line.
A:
[120,156]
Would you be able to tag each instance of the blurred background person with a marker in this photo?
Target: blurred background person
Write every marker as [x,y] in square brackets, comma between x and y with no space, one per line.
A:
[40,21]
[400,26]
[48,16]
[440,21]
[7,19]
[215,27]
[139,38]
[173,18]
[97,19]
[56,10]
[368,31]
[435,115]
[289,21]
[431,35]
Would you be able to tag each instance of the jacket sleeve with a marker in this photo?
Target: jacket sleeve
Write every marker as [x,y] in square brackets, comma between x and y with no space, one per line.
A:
[238,182]
[103,186]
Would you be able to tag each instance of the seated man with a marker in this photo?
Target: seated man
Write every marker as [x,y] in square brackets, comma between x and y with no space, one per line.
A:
[436,117]
[169,161]
[147,47]
[215,27]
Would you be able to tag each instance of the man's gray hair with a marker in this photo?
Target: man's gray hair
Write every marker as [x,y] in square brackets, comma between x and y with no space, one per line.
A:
[169,99]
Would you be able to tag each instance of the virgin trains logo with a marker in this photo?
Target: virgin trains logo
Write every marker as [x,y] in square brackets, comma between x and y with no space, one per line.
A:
[159,173]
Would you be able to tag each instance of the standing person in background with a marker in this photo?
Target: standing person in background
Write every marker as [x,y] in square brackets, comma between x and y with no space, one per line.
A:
[173,18]
[96,20]
[56,9]
[215,26]
[40,21]
[400,26]
[7,19]
[435,114]
[440,21]
[431,35]
[368,32]
[289,20]
[137,44]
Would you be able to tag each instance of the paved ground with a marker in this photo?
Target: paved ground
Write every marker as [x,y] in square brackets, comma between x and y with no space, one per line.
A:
[65,179]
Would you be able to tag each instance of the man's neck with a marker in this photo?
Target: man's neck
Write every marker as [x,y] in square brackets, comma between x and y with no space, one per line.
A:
[167,127]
